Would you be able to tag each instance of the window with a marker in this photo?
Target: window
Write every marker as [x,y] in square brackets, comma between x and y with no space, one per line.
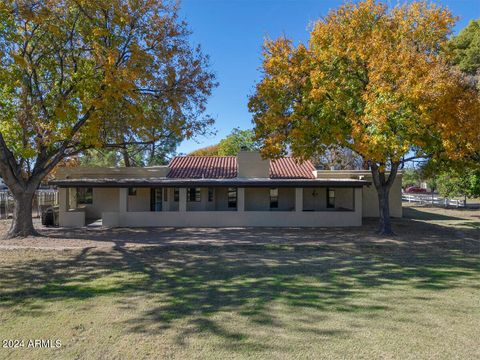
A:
[330,198]
[232,197]
[84,195]
[156,199]
[165,194]
[132,191]
[274,198]
[193,194]
[176,194]
[210,194]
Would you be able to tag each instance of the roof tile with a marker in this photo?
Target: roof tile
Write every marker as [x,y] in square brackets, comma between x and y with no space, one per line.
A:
[203,167]
[291,168]
[225,167]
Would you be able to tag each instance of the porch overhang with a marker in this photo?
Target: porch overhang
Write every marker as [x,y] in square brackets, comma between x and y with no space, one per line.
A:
[231,182]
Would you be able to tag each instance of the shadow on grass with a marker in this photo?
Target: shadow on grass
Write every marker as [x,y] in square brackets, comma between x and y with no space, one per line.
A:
[196,281]
[415,214]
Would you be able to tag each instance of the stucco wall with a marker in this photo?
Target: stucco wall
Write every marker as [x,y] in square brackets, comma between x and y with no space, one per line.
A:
[221,199]
[203,204]
[168,203]
[344,198]
[104,199]
[314,199]
[139,202]
[258,199]
[370,199]
[238,218]
[251,165]
[370,203]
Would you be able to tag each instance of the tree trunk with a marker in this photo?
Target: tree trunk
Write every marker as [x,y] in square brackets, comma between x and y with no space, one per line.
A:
[22,224]
[383,186]
[385,225]
[126,158]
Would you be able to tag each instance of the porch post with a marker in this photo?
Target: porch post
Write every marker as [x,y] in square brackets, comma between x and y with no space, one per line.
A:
[63,200]
[123,200]
[182,199]
[240,199]
[298,199]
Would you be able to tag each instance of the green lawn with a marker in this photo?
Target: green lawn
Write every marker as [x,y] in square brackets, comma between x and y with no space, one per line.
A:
[414,297]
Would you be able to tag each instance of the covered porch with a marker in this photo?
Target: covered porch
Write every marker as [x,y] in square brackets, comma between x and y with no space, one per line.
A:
[212,205]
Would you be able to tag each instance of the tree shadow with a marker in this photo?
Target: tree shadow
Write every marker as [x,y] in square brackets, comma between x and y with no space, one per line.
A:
[195,281]
[415,214]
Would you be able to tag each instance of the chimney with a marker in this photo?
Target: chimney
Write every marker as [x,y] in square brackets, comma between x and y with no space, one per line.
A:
[251,165]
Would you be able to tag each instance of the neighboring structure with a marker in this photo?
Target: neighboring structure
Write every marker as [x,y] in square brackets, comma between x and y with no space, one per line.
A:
[216,191]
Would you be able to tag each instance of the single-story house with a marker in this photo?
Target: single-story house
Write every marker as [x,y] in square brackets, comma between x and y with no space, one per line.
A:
[218,191]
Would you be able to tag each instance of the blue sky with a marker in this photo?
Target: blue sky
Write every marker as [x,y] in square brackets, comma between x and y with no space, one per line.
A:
[232,33]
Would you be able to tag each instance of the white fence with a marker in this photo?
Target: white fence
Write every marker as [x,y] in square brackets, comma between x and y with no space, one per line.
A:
[42,199]
[434,200]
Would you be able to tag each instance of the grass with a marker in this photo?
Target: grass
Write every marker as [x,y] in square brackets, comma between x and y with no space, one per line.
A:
[409,297]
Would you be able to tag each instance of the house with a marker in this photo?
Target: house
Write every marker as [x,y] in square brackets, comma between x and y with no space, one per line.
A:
[217,191]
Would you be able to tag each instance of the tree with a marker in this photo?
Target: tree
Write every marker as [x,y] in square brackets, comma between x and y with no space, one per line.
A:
[374,80]
[338,158]
[464,183]
[230,146]
[236,141]
[80,74]
[410,177]
[211,150]
[465,54]
[99,158]
[466,48]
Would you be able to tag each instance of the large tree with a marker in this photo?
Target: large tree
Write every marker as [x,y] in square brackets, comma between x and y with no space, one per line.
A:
[80,74]
[466,48]
[372,79]
[237,140]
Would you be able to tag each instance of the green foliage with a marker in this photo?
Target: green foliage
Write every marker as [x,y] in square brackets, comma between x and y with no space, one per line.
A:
[459,183]
[231,145]
[211,150]
[466,48]
[236,141]
[99,158]
[410,177]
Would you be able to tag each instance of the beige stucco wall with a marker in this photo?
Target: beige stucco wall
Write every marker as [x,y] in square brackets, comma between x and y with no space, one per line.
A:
[315,199]
[203,204]
[168,203]
[140,201]
[104,199]
[370,199]
[221,199]
[82,172]
[370,203]
[251,165]
[258,199]
[344,198]
[238,218]
[106,205]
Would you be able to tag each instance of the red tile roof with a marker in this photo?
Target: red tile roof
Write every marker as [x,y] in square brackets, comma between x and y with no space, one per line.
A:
[225,167]
[290,168]
[203,167]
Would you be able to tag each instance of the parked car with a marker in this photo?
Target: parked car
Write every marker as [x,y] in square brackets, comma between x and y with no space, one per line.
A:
[415,189]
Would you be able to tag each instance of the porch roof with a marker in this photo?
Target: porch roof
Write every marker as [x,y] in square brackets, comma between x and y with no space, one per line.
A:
[240,182]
